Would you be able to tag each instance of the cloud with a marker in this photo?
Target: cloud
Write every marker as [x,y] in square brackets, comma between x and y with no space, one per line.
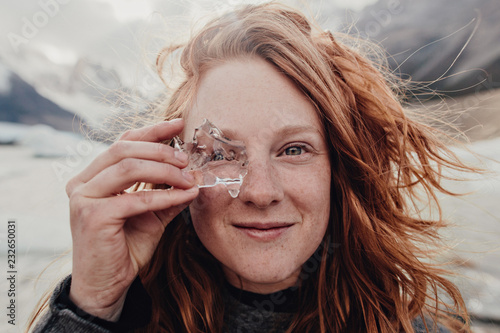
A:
[46,40]
[74,26]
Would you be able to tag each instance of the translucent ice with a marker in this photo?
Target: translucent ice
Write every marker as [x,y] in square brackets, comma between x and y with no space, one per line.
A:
[215,159]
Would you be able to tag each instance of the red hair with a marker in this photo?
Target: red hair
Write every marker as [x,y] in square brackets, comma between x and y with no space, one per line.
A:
[373,274]
[377,278]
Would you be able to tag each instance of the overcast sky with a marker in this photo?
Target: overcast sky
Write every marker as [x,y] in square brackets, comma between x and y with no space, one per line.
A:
[44,41]
[65,29]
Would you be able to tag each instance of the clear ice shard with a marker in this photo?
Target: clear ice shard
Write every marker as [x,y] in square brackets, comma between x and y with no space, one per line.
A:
[215,159]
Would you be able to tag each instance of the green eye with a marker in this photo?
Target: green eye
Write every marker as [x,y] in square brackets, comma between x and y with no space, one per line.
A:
[295,150]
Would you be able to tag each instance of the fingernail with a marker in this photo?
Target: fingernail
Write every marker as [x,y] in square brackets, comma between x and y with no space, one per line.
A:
[180,156]
[176,120]
[188,176]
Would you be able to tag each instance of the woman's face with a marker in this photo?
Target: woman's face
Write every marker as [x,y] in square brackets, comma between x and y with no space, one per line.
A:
[279,219]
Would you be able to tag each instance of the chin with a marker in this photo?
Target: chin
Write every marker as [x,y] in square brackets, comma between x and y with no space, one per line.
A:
[265,277]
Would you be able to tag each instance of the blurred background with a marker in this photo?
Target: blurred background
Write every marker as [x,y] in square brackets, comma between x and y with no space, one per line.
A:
[64,65]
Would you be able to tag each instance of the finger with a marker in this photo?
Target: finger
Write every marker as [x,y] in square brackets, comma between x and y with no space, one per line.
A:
[155,133]
[129,171]
[136,203]
[121,150]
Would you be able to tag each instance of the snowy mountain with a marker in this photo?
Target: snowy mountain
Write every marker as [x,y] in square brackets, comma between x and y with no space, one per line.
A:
[21,103]
[91,84]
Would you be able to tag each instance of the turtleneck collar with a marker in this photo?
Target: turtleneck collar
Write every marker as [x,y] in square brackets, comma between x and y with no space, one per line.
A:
[284,301]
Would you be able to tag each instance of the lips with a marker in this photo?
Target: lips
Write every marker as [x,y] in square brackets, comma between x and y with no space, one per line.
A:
[264,231]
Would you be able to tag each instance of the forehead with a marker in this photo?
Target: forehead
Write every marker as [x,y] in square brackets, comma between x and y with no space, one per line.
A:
[247,96]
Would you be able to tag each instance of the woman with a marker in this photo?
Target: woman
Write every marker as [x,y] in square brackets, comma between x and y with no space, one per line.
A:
[322,236]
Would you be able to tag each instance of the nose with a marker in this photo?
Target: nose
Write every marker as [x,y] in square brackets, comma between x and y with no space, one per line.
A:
[261,186]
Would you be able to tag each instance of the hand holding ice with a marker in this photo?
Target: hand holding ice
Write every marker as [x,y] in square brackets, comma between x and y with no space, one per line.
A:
[218,159]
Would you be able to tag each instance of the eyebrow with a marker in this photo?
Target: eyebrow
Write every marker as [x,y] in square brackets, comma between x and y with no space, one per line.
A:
[289,130]
[283,131]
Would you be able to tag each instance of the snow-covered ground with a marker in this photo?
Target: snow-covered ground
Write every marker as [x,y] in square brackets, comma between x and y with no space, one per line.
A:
[32,193]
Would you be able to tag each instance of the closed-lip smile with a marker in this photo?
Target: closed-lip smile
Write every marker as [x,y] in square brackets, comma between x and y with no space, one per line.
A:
[263,231]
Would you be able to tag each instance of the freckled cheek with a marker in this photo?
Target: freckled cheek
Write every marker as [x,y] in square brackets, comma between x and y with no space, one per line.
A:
[209,207]
[211,198]
[204,222]
[323,175]
[313,192]
[313,181]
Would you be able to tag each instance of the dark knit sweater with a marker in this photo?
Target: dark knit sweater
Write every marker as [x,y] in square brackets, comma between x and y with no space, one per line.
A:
[245,312]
